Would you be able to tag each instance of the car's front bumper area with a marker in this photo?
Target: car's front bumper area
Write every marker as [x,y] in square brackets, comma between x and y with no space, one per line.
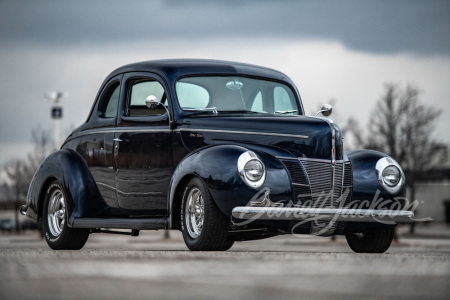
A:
[323,214]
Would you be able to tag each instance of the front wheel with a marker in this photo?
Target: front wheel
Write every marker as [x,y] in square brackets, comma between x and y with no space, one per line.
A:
[204,226]
[371,240]
[58,235]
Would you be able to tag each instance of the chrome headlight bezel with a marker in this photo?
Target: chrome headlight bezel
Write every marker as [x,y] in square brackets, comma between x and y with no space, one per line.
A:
[245,160]
[383,165]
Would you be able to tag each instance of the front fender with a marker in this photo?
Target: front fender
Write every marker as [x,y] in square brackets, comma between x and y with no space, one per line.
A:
[366,186]
[217,167]
[69,168]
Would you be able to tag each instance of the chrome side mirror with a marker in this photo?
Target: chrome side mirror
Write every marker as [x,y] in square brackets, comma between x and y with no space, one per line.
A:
[325,110]
[152,101]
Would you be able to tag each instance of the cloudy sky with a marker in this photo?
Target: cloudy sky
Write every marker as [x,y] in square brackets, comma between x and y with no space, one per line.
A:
[340,50]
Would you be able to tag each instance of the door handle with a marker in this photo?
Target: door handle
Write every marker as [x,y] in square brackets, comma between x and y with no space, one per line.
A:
[117,140]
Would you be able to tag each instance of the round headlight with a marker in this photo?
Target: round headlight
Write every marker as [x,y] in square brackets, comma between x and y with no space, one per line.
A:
[391,175]
[251,169]
[254,170]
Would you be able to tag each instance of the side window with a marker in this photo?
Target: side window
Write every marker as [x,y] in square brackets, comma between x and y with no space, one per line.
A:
[138,93]
[257,103]
[192,96]
[109,102]
[283,100]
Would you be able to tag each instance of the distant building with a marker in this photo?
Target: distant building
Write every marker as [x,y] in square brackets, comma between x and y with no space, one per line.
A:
[433,190]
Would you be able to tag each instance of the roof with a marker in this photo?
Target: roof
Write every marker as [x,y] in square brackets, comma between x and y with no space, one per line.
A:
[174,68]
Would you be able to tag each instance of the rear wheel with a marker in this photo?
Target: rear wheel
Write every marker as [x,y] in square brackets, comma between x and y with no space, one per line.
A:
[204,226]
[371,240]
[57,234]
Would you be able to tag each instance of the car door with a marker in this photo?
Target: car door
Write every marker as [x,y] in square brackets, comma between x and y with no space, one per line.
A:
[143,149]
[96,144]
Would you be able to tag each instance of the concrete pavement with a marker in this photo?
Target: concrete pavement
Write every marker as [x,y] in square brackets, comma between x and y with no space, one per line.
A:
[286,267]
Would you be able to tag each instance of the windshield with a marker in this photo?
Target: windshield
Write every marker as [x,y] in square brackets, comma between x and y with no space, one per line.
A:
[234,94]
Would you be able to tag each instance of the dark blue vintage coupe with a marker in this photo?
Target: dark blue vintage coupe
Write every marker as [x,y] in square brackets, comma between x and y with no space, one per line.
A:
[223,152]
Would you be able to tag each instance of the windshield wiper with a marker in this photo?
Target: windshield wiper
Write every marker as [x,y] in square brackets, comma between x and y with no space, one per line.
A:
[284,112]
[239,111]
[212,110]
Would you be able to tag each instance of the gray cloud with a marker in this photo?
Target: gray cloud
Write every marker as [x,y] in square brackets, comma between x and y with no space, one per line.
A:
[72,45]
[378,26]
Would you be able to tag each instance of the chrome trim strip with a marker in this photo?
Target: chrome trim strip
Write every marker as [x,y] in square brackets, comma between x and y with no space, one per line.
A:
[333,143]
[318,160]
[323,214]
[143,130]
[300,184]
[309,159]
[115,130]
[128,194]
[333,148]
[92,131]
[242,132]
[333,174]
[342,182]
[106,185]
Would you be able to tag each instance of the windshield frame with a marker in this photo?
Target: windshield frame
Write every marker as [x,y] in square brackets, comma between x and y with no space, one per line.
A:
[212,111]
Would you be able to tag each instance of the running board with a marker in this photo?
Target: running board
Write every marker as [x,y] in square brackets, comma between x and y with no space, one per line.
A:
[121,223]
[133,232]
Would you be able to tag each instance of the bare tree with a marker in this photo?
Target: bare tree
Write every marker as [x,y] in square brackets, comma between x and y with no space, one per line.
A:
[20,172]
[17,173]
[402,127]
[42,145]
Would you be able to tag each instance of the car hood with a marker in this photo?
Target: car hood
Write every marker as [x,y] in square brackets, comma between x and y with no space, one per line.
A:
[298,136]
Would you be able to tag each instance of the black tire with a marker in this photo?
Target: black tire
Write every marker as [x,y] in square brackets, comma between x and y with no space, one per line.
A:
[373,240]
[56,232]
[212,235]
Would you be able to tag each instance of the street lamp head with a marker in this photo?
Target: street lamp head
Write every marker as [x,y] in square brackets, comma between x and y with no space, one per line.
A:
[55,97]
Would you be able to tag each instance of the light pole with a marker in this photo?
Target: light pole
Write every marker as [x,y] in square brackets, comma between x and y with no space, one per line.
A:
[56,113]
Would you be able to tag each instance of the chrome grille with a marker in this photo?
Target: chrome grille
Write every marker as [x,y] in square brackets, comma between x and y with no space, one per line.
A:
[298,174]
[301,191]
[311,182]
[347,193]
[348,183]
[320,175]
[338,182]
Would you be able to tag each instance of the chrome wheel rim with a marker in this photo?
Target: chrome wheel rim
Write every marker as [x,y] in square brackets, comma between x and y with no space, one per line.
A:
[195,212]
[56,215]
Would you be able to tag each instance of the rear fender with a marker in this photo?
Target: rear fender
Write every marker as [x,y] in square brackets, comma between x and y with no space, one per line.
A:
[69,168]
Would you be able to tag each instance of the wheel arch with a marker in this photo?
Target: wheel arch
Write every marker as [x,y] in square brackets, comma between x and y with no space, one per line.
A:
[365,181]
[42,194]
[70,169]
[202,164]
[175,220]
[216,166]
